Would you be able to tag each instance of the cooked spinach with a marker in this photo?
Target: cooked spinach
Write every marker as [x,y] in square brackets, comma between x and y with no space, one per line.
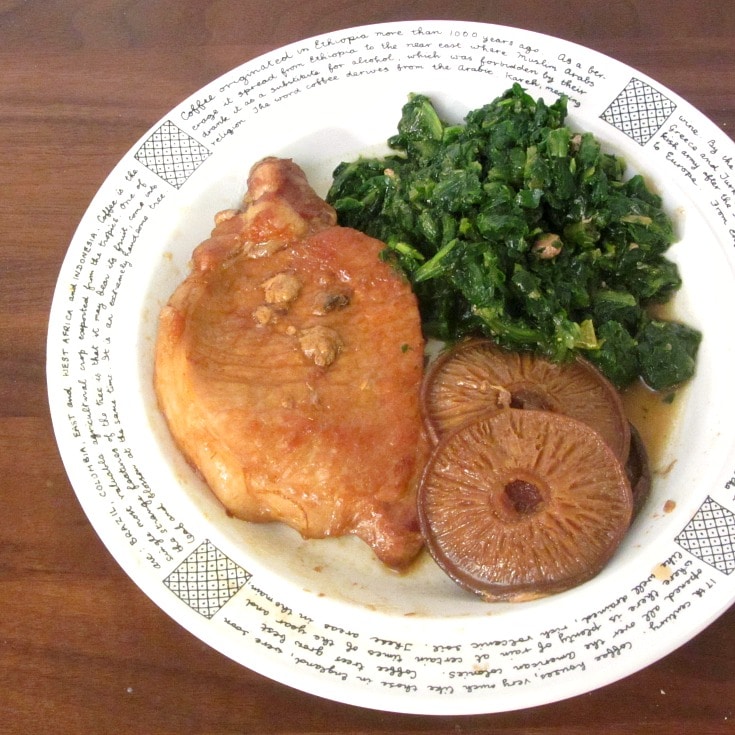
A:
[515,226]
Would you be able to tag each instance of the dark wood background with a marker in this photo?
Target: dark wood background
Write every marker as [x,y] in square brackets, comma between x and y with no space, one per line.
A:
[82,650]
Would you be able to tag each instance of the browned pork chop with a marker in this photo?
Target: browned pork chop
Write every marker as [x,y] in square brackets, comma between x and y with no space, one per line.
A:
[288,367]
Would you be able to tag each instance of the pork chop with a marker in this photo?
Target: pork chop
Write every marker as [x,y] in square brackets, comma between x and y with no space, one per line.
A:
[288,366]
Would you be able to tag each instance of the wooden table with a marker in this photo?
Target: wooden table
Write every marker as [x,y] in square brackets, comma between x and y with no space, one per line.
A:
[82,649]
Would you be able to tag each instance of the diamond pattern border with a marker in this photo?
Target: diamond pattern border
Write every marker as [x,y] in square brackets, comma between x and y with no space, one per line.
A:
[172,154]
[710,536]
[639,111]
[207,579]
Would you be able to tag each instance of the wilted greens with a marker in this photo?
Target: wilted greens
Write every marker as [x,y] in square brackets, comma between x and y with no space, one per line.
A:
[515,226]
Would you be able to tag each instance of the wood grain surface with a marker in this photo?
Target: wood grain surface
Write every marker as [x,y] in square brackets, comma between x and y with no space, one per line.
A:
[82,649]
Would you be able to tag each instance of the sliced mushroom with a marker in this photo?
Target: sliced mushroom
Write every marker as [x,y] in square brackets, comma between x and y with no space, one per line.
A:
[519,504]
[478,376]
[263,314]
[320,344]
[283,288]
[332,300]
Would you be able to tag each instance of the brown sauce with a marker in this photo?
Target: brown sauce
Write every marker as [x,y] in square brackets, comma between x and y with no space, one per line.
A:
[654,414]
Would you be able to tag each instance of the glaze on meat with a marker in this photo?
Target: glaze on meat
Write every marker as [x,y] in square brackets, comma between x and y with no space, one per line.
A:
[288,367]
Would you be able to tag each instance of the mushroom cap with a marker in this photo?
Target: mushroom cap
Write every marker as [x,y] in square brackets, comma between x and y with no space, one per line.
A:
[476,376]
[518,504]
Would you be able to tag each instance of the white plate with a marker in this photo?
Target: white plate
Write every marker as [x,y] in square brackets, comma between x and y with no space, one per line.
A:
[324,616]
